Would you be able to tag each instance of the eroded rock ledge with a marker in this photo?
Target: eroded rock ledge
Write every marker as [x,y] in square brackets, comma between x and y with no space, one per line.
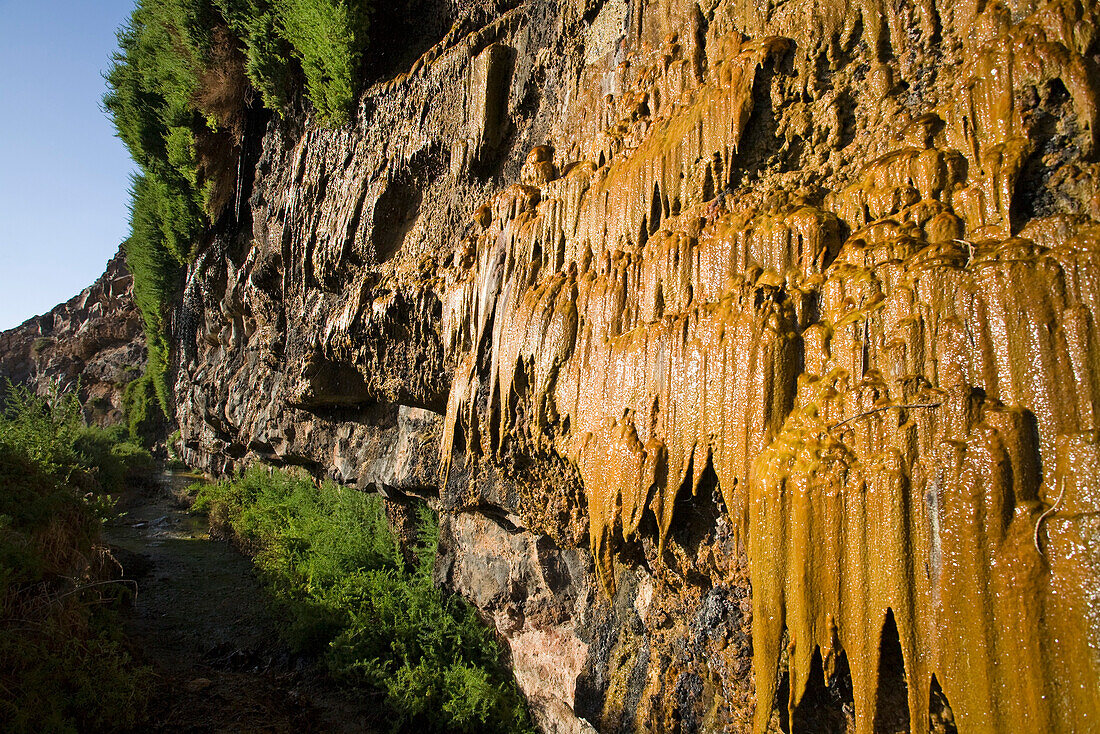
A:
[658,299]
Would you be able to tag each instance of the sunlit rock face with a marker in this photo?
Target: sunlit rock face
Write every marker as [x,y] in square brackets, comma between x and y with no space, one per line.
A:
[750,351]
[94,342]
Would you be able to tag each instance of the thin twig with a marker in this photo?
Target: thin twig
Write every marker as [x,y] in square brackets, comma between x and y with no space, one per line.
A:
[59,597]
[1050,511]
[881,408]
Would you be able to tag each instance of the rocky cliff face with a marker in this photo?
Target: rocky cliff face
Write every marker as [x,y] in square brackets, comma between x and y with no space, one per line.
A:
[95,337]
[750,350]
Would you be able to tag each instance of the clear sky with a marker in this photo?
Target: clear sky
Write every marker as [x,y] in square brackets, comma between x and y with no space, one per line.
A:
[64,176]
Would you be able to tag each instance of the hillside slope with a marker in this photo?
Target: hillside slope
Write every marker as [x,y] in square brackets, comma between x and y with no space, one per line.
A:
[94,337]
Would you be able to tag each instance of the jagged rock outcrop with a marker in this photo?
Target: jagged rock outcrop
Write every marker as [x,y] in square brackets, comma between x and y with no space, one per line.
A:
[95,338]
[749,350]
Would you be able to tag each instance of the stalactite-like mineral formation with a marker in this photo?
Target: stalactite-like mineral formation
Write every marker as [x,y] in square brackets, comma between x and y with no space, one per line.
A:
[892,373]
[786,313]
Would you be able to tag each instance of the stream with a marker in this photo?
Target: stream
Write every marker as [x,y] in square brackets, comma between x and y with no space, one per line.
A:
[202,621]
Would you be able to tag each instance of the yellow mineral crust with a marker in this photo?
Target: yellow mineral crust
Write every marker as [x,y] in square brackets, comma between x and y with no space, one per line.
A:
[895,383]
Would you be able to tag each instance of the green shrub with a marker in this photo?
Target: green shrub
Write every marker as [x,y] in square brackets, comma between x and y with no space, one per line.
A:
[328,37]
[268,66]
[63,665]
[337,572]
[151,85]
[45,440]
[58,681]
[115,457]
[44,429]
[142,409]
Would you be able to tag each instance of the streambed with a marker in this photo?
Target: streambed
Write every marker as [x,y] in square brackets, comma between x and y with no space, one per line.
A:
[201,620]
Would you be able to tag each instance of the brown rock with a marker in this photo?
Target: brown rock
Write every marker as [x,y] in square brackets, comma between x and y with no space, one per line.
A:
[95,337]
[657,299]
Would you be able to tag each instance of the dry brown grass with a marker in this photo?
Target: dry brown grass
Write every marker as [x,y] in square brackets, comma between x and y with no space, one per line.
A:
[223,86]
[223,97]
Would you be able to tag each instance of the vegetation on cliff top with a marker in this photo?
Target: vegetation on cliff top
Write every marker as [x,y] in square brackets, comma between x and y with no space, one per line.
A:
[63,664]
[339,574]
[180,91]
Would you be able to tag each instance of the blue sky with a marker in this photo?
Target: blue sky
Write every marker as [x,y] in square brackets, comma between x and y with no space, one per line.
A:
[64,176]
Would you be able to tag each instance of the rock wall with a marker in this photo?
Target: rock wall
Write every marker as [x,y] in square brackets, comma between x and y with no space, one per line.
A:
[749,350]
[95,338]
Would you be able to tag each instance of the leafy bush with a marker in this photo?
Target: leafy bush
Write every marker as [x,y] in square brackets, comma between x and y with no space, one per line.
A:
[268,55]
[285,40]
[154,77]
[328,37]
[115,457]
[42,429]
[63,666]
[338,573]
[142,409]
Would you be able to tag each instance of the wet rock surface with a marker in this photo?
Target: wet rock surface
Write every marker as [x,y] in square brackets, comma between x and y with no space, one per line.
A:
[202,621]
[750,352]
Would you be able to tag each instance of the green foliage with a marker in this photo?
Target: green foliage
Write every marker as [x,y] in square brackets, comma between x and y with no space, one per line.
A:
[142,408]
[337,571]
[63,666]
[268,55]
[152,84]
[43,429]
[116,458]
[156,270]
[328,37]
[268,66]
[164,99]
[58,681]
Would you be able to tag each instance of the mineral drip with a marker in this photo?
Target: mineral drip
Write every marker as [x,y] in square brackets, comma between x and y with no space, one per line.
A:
[893,372]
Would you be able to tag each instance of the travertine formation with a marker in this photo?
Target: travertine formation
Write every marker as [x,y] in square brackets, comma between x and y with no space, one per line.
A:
[94,339]
[797,295]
